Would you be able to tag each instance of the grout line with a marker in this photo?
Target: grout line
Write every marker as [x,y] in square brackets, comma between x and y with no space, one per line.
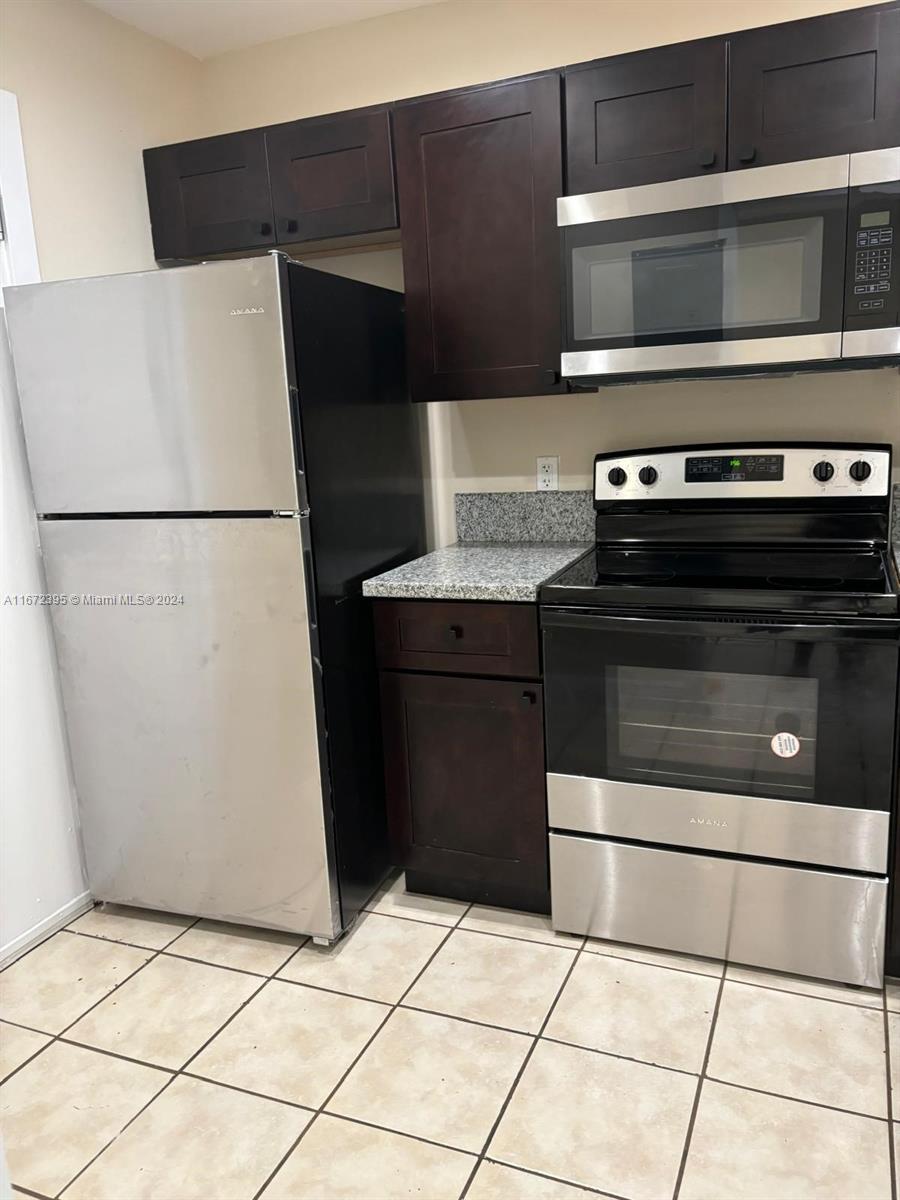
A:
[768,987]
[892,1157]
[318,987]
[521,1071]
[391,1010]
[138,1062]
[661,966]
[554,1178]
[416,1137]
[235,1087]
[695,1106]
[512,937]
[848,1112]
[644,1062]
[111,941]
[28,1191]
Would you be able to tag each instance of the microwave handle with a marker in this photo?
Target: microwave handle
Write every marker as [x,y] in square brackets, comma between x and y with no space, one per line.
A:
[877,630]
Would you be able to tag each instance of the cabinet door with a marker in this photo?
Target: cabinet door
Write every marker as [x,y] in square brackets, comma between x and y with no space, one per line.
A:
[808,89]
[209,196]
[332,176]
[478,175]
[464,766]
[640,118]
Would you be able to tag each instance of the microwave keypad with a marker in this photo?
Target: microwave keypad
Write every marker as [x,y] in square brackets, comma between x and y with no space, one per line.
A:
[872,266]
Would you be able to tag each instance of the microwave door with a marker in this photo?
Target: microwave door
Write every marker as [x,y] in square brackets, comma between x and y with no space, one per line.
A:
[743,269]
[676,288]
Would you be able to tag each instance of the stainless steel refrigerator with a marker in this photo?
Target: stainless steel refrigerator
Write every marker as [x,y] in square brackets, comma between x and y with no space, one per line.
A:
[220,454]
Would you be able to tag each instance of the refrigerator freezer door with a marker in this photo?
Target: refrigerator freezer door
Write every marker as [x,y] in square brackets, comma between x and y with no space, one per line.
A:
[163,391]
[192,719]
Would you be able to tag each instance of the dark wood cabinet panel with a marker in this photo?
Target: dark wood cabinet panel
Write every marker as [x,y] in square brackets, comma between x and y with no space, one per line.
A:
[332,176]
[464,769]
[457,636]
[808,89]
[209,196]
[478,174]
[644,117]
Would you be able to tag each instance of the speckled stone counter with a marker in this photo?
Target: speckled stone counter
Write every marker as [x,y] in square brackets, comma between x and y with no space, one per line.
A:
[476,571]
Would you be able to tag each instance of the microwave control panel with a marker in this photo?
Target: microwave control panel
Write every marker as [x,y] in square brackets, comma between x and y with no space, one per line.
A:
[872,283]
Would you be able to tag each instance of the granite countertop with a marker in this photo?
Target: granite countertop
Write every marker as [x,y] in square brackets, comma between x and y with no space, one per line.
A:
[477,571]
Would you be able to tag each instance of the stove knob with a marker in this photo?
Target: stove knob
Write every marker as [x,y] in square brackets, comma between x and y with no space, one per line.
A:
[616,476]
[648,476]
[860,471]
[823,471]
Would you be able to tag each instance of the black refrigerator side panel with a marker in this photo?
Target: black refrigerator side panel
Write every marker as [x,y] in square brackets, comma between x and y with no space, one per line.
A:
[362,461]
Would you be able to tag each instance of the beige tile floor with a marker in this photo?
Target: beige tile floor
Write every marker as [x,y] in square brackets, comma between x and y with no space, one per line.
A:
[439,1051]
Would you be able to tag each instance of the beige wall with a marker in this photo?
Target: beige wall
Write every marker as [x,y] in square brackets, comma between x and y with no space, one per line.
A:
[462,42]
[92,93]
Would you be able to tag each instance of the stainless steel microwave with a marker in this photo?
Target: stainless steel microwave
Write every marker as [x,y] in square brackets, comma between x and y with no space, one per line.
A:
[780,265]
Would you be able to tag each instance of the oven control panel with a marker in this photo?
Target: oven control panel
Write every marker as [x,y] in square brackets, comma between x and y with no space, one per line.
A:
[752,472]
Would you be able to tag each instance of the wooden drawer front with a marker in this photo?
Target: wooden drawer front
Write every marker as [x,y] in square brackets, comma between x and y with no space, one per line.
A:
[457,637]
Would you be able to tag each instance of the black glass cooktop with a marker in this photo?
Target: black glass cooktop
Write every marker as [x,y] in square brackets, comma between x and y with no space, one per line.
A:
[827,578]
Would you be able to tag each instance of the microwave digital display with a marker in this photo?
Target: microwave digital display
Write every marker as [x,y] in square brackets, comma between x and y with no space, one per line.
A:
[743,468]
[870,219]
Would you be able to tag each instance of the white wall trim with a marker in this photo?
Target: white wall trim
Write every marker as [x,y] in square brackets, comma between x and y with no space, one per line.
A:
[45,928]
[20,263]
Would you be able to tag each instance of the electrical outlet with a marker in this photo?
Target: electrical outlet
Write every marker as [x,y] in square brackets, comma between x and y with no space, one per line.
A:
[548,473]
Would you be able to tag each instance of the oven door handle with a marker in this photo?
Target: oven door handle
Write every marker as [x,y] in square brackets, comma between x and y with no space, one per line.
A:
[874,629]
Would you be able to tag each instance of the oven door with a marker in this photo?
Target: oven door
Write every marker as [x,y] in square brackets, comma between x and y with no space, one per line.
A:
[737,734]
[732,270]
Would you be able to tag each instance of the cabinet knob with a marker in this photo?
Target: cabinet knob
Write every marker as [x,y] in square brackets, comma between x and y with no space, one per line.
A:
[265,229]
[528,698]
[291,226]
[746,154]
[707,158]
[456,632]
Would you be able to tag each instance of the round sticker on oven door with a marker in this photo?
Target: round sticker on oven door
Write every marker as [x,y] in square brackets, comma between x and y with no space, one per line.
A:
[785,745]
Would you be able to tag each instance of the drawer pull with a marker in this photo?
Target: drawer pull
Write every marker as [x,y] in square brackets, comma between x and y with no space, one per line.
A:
[456,632]
[528,698]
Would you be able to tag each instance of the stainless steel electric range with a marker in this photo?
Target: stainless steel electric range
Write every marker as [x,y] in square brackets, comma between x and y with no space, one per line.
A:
[721,681]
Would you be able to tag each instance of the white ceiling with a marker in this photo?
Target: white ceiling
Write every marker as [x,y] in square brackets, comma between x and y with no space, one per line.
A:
[207,27]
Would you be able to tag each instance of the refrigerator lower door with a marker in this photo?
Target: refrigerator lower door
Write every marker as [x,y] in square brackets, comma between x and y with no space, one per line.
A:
[192,708]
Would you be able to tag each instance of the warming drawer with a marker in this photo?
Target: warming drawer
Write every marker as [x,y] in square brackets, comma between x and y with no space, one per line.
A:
[808,922]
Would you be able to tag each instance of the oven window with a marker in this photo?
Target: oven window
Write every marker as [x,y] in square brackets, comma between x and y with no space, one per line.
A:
[713,729]
[729,277]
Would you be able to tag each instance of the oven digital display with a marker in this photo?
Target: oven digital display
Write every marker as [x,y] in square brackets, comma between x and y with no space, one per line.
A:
[741,468]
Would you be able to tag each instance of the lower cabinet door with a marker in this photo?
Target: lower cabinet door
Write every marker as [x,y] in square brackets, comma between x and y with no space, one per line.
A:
[464,764]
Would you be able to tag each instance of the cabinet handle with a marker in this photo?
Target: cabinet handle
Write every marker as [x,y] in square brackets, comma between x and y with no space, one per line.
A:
[746,154]
[265,229]
[292,226]
[456,632]
[707,158]
[528,698]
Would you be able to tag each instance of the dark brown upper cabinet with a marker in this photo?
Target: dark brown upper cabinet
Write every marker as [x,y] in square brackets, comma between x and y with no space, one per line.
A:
[808,89]
[209,196]
[478,174]
[332,176]
[644,117]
